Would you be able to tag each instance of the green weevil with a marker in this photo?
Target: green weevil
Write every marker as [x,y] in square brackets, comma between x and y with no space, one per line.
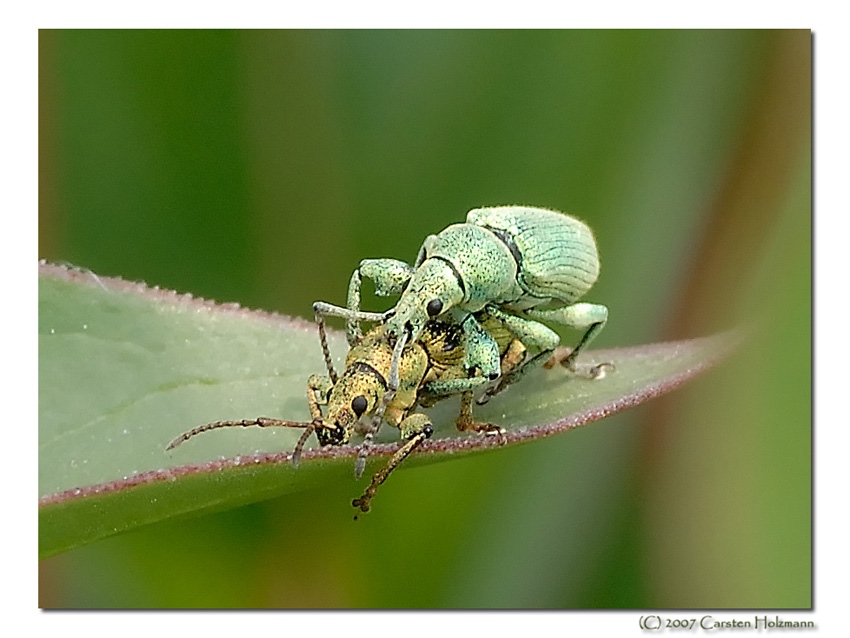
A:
[523,264]
[429,370]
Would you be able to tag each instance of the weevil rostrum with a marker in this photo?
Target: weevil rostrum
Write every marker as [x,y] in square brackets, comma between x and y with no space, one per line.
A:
[429,369]
[525,265]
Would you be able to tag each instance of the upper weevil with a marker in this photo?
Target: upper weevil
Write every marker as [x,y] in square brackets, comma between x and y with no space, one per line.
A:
[524,264]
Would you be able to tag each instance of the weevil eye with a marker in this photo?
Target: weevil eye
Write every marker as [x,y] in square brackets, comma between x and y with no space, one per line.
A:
[435,307]
[359,405]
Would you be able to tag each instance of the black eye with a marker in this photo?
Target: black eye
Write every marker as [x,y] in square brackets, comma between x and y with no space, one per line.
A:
[435,307]
[359,404]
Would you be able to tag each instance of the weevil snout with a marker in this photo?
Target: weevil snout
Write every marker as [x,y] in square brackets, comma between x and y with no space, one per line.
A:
[434,290]
[332,434]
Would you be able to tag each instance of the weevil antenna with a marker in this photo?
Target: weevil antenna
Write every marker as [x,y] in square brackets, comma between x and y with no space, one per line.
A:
[263,422]
[296,452]
[323,338]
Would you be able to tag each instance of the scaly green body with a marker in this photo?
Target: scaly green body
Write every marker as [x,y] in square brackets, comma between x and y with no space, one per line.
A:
[525,265]
[557,253]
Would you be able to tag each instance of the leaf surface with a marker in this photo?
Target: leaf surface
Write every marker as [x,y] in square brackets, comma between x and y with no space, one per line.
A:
[124,368]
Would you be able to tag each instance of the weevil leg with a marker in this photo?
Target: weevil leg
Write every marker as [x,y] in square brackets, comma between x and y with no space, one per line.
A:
[513,356]
[532,335]
[481,352]
[322,309]
[318,390]
[415,428]
[466,423]
[579,316]
[512,361]
[392,381]
[514,376]
[329,310]
[390,277]
[432,391]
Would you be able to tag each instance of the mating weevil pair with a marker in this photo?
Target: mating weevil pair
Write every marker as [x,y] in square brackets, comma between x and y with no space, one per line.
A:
[478,290]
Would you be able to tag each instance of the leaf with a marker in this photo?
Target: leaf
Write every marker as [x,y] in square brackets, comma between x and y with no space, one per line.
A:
[124,368]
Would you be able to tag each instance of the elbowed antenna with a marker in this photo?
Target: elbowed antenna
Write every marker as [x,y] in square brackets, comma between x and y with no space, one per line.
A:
[263,422]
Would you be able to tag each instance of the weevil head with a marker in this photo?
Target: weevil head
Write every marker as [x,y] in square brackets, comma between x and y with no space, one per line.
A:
[434,289]
[356,393]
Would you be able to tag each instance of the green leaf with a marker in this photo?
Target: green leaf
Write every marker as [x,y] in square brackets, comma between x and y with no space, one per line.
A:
[124,368]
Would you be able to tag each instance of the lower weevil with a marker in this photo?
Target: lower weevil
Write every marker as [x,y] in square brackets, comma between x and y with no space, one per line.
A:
[429,370]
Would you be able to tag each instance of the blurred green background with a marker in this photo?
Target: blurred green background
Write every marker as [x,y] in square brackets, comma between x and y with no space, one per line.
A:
[261,166]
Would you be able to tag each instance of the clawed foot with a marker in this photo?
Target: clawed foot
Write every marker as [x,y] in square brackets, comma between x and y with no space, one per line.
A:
[562,357]
[363,503]
[485,429]
[491,429]
[600,370]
